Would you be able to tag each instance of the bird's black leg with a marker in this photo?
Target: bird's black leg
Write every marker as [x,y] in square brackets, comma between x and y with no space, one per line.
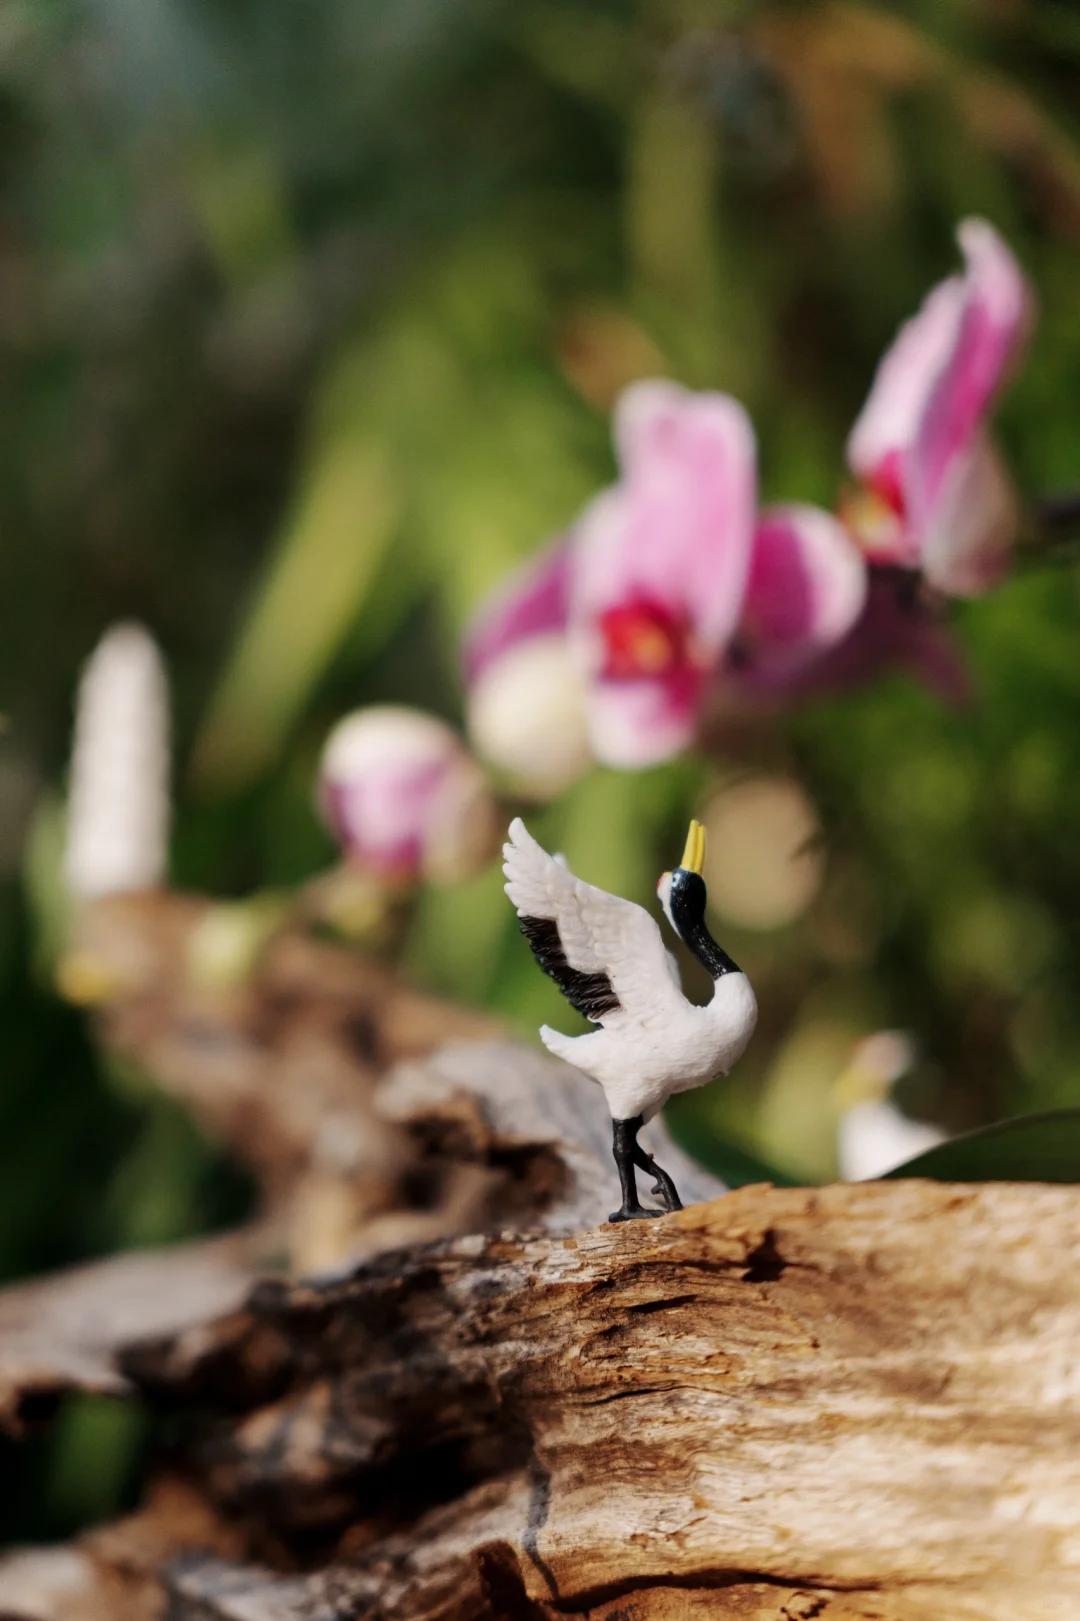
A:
[663,1185]
[625,1148]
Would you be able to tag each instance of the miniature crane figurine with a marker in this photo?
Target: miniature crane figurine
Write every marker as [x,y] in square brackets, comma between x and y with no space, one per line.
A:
[607,957]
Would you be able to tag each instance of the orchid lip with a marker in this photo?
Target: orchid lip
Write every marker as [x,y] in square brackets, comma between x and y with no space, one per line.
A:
[642,640]
[873,518]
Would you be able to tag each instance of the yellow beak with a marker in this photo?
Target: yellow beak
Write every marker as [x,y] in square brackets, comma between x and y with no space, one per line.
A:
[694,855]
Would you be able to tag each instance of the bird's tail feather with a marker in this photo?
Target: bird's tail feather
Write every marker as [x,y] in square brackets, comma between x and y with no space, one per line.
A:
[555,1042]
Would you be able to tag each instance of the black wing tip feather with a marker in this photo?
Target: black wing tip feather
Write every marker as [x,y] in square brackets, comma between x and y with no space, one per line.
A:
[592,994]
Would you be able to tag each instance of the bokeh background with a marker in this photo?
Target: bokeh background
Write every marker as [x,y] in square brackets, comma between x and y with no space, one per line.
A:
[311,316]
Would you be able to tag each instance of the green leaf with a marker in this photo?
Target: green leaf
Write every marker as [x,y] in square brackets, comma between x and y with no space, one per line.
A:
[1036,1148]
[332,544]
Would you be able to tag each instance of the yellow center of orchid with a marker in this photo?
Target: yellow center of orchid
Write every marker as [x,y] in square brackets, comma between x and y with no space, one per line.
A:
[870,518]
[642,639]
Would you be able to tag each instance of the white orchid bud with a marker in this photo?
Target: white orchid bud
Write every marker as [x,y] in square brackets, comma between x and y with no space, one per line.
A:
[404,798]
[118,795]
[527,716]
[873,1136]
[527,694]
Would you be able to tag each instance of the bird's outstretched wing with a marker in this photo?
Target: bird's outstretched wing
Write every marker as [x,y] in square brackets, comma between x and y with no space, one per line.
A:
[603,952]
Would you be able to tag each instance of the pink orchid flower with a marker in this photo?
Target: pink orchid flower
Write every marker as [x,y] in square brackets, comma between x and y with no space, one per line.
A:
[934,492]
[668,585]
[404,798]
[660,566]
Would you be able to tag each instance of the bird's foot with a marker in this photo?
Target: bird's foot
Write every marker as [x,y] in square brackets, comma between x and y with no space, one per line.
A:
[632,1212]
[663,1187]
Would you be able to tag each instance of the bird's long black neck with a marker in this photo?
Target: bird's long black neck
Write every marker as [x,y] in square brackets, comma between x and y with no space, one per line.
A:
[688,912]
[709,954]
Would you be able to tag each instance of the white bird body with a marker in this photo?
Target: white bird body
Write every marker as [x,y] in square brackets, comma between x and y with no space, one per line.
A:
[609,959]
[641,1061]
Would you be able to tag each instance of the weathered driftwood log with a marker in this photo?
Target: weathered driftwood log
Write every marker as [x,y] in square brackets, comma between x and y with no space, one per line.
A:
[62,1333]
[270,1054]
[861,1398]
[276,1054]
[855,1402]
[490,1133]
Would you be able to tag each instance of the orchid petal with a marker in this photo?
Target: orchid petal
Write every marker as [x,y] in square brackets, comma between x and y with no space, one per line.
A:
[978,514]
[660,567]
[633,724]
[996,318]
[677,527]
[806,589]
[916,443]
[888,423]
[531,601]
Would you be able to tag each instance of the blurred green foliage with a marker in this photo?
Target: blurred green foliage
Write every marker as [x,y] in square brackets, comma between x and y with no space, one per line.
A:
[310,315]
[1037,1148]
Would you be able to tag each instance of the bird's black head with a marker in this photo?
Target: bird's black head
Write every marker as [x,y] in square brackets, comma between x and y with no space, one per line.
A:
[687,902]
[682,892]
[683,895]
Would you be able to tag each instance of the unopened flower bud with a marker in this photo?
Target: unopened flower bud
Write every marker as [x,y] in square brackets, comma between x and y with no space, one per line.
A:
[527,716]
[118,799]
[404,798]
[527,692]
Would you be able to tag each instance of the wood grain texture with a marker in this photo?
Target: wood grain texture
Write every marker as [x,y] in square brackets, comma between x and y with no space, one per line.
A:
[868,1395]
